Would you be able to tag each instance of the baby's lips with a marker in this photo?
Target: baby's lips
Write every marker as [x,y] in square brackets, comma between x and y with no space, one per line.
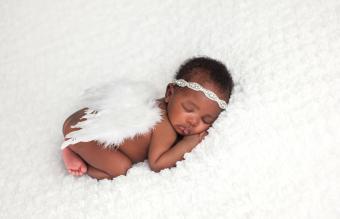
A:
[186,131]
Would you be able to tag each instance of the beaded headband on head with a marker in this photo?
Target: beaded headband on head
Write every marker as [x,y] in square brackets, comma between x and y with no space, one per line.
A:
[197,87]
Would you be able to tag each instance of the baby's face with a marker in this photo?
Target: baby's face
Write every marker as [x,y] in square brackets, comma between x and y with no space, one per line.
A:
[189,111]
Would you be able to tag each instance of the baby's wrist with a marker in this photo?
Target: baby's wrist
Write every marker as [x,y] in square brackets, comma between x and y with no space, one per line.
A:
[189,143]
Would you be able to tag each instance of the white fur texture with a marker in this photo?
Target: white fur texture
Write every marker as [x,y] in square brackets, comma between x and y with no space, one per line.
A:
[274,153]
[118,110]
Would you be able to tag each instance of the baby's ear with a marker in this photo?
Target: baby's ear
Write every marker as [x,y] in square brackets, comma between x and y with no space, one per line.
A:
[170,89]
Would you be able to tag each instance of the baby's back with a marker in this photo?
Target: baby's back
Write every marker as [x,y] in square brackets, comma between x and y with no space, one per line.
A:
[136,148]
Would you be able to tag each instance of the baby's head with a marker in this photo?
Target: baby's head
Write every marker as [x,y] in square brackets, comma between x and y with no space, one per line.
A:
[192,106]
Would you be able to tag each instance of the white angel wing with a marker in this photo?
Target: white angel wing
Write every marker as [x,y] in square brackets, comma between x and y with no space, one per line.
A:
[117,110]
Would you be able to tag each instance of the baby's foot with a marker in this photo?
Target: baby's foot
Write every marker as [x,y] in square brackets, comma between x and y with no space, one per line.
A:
[74,164]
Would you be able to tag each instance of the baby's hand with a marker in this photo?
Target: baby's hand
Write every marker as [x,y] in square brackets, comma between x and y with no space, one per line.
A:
[192,140]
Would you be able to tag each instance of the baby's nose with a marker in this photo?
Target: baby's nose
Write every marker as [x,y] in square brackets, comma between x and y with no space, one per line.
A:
[193,121]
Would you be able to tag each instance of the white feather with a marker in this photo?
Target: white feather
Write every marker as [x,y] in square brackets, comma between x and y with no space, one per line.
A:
[117,110]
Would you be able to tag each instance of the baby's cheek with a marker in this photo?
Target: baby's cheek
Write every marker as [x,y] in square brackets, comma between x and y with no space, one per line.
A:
[202,128]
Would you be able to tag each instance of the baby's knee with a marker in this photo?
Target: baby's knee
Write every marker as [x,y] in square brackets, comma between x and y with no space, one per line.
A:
[120,168]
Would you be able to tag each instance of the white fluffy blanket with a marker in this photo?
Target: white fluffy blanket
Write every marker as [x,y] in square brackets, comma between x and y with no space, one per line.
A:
[275,153]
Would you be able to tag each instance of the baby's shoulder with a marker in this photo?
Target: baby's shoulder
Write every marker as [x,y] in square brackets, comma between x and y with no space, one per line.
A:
[164,127]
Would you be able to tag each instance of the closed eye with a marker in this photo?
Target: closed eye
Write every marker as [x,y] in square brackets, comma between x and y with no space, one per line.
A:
[207,122]
[187,109]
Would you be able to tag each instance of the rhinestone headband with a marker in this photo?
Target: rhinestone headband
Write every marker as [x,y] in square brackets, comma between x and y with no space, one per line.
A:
[197,87]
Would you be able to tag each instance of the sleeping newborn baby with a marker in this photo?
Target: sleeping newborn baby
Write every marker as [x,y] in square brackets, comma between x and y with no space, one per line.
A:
[173,125]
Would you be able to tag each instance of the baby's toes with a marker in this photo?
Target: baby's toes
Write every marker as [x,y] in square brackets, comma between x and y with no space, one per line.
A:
[72,172]
[80,171]
[83,169]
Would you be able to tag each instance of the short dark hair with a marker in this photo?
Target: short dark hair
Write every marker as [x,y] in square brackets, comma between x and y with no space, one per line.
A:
[217,71]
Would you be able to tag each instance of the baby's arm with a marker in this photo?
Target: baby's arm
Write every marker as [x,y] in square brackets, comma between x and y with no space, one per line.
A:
[162,153]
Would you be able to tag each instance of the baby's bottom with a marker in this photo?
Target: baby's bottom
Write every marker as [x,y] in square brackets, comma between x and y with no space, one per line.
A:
[99,163]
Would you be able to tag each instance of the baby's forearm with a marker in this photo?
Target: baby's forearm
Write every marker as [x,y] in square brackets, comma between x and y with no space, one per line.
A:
[175,153]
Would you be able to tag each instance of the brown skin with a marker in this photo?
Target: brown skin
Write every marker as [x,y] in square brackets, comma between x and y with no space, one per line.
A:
[105,163]
[187,114]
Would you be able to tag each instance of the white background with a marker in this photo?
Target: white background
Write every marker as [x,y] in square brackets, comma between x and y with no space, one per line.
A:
[273,154]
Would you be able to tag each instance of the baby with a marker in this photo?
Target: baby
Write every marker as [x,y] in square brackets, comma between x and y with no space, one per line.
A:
[192,102]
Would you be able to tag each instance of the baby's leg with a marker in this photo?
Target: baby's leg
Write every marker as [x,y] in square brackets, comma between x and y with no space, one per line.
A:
[98,174]
[110,162]
[102,163]
[74,164]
